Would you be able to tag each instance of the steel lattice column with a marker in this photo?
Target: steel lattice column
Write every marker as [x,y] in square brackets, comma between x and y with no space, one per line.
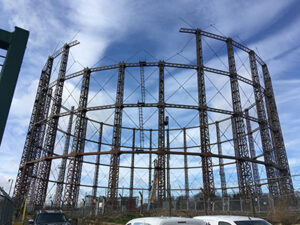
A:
[207,166]
[96,174]
[113,180]
[132,171]
[256,177]
[168,165]
[285,182]
[186,170]
[45,166]
[245,178]
[78,144]
[161,191]
[35,134]
[39,144]
[221,163]
[62,168]
[150,162]
[143,94]
[263,127]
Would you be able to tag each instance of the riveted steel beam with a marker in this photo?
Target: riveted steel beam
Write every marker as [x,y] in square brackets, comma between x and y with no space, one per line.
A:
[285,180]
[71,193]
[45,167]
[113,180]
[207,169]
[245,178]
[62,169]
[263,127]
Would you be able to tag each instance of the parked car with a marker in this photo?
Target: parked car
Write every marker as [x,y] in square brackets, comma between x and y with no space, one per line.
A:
[50,217]
[232,220]
[165,221]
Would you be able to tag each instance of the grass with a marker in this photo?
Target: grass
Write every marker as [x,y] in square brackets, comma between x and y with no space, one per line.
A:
[123,219]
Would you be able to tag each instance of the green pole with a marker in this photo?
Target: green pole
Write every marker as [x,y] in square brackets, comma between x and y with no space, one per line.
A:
[15,44]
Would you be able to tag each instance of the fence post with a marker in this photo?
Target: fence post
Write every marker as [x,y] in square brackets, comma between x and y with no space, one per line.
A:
[103,205]
[170,202]
[258,203]
[271,204]
[121,202]
[141,209]
[241,204]
[187,204]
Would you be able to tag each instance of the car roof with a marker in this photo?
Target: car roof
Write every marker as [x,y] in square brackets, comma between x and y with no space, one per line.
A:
[226,218]
[158,220]
[50,211]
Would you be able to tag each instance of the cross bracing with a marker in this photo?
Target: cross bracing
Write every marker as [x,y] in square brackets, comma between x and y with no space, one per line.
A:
[121,127]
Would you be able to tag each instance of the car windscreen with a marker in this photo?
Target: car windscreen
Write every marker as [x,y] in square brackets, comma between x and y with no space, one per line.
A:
[50,218]
[252,222]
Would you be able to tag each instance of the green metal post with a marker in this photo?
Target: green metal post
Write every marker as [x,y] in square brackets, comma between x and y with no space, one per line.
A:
[15,44]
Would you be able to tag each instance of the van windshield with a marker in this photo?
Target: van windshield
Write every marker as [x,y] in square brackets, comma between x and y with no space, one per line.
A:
[252,222]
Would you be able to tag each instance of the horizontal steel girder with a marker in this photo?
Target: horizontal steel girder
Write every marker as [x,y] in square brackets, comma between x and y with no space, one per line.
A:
[156,64]
[152,152]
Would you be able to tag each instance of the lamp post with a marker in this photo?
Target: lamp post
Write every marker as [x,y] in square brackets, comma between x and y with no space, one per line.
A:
[11,182]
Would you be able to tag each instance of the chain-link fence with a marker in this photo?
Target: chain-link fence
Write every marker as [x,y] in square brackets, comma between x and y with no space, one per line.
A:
[263,204]
[6,208]
[226,204]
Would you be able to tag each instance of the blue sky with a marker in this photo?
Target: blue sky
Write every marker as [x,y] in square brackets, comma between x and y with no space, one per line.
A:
[142,30]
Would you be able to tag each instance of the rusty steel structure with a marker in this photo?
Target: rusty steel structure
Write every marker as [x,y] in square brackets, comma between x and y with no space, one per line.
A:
[120,157]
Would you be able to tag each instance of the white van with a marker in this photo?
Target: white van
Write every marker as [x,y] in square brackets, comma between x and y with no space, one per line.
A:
[232,220]
[165,221]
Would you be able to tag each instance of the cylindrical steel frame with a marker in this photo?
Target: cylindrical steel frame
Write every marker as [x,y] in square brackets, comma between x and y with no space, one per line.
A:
[239,118]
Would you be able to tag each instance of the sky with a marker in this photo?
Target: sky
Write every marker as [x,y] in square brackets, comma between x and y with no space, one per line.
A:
[113,31]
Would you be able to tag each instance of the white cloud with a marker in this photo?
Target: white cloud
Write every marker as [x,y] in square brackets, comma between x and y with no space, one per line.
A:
[102,24]
[280,59]
[244,18]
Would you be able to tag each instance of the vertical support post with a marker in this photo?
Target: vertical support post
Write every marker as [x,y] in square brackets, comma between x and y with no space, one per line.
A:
[150,165]
[256,177]
[97,165]
[221,163]
[186,170]
[121,202]
[75,164]
[285,182]
[130,203]
[207,166]
[97,207]
[62,168]
[142,202]
[34,135]
[161,135]
[140,105]
[113,180]
[236,153]
[168,165]
[263,128]
[103,205]
[45,166]
[238,128]
[241,204]
[15,44]
[39,144]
